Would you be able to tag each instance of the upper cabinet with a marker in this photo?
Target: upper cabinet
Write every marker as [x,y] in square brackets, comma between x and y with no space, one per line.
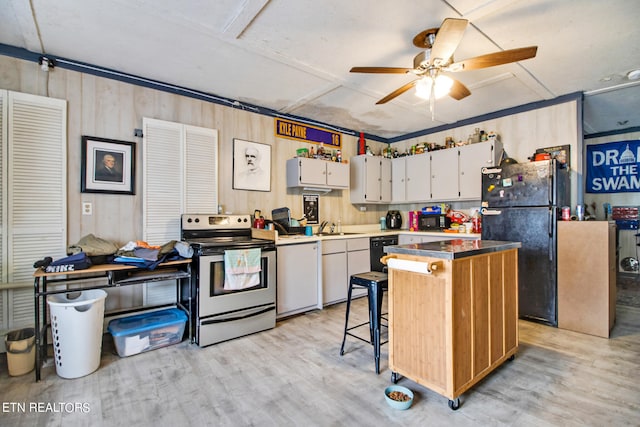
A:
[437,176]
[370,179]
[472,159]
[304,172]
[410,178]
[444,174]
[456,173]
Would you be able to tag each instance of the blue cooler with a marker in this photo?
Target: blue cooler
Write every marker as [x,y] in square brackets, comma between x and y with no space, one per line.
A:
[147,331]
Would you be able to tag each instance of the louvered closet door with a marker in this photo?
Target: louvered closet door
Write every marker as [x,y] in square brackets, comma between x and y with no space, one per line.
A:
[163,180]
[3,187]
[180,176]
[201,167]
[34,194]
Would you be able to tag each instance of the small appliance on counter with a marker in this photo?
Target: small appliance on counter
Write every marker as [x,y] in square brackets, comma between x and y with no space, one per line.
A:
[394,220]
[433,222]
[281,217]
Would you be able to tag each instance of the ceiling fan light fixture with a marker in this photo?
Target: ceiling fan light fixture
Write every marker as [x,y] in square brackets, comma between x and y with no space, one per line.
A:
[633,75]
[442,88]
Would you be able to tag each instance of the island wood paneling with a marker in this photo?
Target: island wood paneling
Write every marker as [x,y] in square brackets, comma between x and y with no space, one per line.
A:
[449,329]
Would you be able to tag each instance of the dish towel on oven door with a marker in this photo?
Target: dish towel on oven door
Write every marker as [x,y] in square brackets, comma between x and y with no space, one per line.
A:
[241,268]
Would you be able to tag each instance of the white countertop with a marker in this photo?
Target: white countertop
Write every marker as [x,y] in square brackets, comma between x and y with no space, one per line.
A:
[355,232]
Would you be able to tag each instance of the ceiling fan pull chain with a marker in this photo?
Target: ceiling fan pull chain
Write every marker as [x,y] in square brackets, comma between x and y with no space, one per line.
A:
[432,99]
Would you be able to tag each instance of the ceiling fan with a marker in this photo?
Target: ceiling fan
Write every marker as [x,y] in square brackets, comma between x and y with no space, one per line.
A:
[439,45]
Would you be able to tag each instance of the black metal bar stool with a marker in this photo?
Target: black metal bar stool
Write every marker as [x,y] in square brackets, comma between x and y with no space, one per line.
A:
[375,282]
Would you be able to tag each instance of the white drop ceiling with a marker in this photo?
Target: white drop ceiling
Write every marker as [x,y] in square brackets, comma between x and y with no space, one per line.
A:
[294,56]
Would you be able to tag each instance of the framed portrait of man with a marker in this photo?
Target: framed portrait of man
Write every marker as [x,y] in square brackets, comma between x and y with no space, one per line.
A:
[108,166]
[251,166]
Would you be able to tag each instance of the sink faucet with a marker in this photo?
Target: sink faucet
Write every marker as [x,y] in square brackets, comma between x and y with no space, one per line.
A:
[323,224]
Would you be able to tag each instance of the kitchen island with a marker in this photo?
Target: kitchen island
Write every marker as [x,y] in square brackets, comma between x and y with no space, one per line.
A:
[453,312]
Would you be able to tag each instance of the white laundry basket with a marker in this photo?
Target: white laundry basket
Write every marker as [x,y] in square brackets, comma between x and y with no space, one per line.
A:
[76,326]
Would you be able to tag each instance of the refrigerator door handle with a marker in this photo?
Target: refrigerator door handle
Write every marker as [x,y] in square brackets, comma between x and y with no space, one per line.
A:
[485,211]
[486,171]
[551,183]
[551,222]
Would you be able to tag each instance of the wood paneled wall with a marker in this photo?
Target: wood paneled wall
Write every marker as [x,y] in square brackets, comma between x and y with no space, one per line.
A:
[521,134]
[110,109]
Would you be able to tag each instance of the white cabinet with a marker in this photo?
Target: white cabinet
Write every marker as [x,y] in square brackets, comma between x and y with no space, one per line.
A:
[472,159]
[456,173]
[297,278]
[399,179]
[334,271]
[358,260]
[340,259]
[385,180]
[444,174]
[410,178]
[418,184]
[302,172]
[370,179]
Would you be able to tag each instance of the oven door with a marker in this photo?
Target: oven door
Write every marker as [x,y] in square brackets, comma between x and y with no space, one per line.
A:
[214,299]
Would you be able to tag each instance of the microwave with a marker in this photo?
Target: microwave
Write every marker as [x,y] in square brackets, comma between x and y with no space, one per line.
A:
[427,222]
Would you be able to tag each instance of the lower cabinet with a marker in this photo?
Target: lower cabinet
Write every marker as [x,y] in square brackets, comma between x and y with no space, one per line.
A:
[297,278]
[358,261]
[334,271]
[340,259]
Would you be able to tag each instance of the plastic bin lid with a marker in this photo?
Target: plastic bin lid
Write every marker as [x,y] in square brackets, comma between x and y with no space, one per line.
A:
[146,322]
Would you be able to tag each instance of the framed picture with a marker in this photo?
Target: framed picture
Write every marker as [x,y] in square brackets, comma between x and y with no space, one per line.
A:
[108,166]
[310,207]
[251,166]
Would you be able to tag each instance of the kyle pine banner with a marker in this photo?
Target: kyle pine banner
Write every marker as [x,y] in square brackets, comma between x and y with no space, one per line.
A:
[613,167]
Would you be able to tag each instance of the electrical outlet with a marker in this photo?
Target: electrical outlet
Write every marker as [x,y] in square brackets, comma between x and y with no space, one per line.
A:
[87,208]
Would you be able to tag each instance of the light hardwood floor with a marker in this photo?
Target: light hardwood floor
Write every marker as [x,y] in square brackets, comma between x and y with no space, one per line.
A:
[293,375]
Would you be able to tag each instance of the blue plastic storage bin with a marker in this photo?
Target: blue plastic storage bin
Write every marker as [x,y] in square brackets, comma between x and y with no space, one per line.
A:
[147,331]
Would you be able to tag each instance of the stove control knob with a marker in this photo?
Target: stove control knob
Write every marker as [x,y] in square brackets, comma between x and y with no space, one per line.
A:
[239,219]
[197,220]
[245,220]
[189,220]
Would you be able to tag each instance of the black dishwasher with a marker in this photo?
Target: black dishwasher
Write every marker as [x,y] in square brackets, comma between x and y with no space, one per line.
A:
[376,245]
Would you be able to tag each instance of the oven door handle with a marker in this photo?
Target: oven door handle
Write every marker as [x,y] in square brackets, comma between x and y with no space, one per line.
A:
[233,319]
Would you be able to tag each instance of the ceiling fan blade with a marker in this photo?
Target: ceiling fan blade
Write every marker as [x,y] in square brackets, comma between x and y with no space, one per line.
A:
[496,58]
[381,70]
[458,90]
[397,92]
[447,40]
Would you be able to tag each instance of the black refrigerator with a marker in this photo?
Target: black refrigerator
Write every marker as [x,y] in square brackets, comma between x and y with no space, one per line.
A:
[521,202]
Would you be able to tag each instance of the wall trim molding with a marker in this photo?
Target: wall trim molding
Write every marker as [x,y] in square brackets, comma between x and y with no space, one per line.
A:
[82,67]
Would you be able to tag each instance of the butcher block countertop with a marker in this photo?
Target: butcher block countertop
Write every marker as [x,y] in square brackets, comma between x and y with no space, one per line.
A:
[452,249]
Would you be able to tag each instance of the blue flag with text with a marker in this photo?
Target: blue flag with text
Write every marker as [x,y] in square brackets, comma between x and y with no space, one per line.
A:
[613,167]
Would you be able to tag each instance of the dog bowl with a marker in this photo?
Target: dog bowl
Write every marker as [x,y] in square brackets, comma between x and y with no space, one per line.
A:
[398,404]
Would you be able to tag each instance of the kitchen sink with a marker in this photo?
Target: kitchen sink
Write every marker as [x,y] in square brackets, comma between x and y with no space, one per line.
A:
[335,234]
